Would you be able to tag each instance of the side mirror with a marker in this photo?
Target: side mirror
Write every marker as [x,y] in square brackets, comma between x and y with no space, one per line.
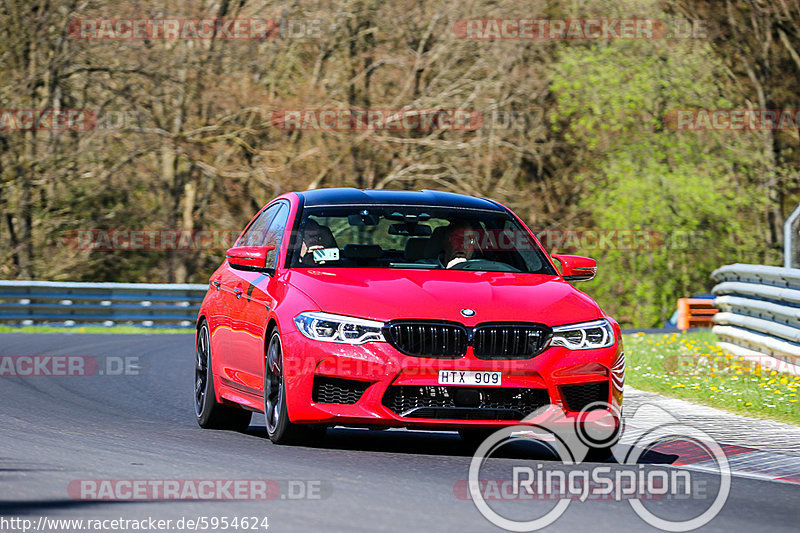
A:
[253,258]
[576,267]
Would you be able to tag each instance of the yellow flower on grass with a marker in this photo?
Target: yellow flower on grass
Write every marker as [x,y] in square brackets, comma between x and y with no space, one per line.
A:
[678,386]
[748,404]
[784,381]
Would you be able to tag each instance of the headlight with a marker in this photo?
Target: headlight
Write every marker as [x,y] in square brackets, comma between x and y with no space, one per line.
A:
[584,336]
[337,328]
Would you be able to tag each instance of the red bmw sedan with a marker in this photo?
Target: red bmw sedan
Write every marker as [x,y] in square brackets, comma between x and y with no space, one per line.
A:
[427,310]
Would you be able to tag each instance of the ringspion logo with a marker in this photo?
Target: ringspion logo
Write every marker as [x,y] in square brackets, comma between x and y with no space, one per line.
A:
[576,480]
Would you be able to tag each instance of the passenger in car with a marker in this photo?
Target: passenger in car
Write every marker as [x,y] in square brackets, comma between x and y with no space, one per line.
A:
[315,237]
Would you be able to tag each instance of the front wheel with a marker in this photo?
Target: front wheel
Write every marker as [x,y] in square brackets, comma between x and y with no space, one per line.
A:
[211,414]
[280,429]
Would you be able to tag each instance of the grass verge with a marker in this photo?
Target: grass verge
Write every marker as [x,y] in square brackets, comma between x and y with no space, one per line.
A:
[691,366]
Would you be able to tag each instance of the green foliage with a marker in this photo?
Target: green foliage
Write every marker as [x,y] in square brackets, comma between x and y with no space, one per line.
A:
[692,191]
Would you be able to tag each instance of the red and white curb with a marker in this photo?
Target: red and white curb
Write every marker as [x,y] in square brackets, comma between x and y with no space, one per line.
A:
[742,461]
[754,448]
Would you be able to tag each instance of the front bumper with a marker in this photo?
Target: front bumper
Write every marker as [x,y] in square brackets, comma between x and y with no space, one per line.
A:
[376,367]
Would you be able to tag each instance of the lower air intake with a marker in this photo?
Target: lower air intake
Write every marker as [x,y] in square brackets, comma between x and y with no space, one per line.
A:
[578,397]
[337,390]
[464,403]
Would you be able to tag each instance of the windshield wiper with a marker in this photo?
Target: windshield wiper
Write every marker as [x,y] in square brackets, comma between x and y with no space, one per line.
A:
[415,265]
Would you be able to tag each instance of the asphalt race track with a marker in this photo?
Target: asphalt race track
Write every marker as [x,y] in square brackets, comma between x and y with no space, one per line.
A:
[57,430]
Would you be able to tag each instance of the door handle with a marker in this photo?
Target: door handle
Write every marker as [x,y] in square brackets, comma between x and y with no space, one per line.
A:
[238,292]
[216,284]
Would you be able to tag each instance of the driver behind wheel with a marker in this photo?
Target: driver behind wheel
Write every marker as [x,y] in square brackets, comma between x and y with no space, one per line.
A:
[459,242]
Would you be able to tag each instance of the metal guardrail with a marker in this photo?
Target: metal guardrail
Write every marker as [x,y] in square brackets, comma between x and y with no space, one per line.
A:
[759,309]
[74,303]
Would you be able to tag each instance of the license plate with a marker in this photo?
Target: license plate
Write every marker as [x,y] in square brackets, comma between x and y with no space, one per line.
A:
[469,377]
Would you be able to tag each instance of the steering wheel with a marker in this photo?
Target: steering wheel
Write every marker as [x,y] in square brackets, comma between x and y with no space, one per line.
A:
[484,264]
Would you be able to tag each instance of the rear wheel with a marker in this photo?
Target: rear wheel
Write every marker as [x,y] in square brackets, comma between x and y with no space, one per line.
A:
[280,429]
[209,412]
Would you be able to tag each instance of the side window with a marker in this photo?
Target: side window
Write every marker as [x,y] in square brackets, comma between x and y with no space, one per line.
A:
[274,233]
[254,235]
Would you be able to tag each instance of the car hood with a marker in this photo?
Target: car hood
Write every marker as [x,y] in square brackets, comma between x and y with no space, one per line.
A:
[388,294]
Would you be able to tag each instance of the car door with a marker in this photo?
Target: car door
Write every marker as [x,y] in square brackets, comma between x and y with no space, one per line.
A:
[228,339]
[258,292]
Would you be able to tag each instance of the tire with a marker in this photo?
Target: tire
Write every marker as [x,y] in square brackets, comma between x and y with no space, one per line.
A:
[211,414]
[280,429]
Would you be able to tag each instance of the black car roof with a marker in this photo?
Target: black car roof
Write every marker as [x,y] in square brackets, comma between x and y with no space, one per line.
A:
[353,196]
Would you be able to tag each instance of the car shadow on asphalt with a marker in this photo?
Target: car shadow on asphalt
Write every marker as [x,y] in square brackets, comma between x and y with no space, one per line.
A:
[36,507]
[450,444]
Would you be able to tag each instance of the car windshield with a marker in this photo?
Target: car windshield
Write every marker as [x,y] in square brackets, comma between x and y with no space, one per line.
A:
[415,237]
